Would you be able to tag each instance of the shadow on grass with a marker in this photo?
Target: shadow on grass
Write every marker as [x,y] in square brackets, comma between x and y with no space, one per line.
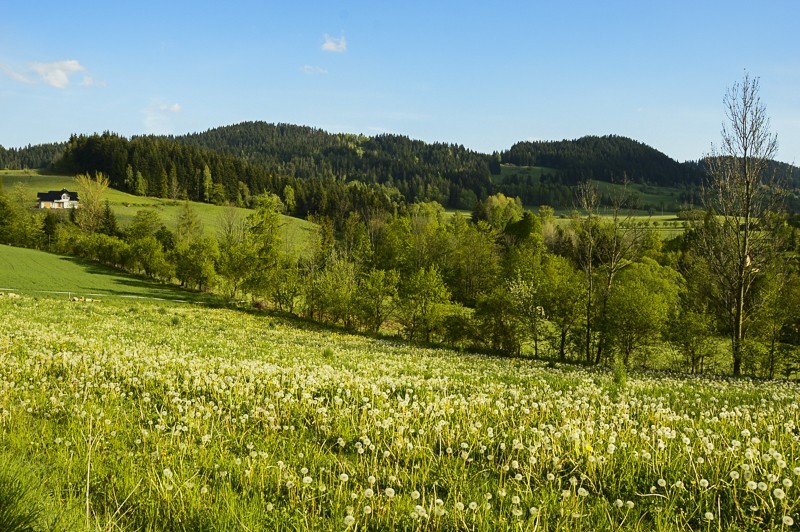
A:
[134,286]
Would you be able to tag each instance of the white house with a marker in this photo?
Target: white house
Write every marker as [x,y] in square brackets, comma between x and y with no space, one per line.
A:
[55,199]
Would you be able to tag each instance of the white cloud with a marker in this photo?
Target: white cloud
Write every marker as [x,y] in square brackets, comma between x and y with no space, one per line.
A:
[174,108]
[332,44]
[16,76]
[313,70]
[57,74]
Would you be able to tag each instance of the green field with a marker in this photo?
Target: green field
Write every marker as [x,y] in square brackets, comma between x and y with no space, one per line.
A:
[32,272]
[507,170]
[296,232]
[150,415]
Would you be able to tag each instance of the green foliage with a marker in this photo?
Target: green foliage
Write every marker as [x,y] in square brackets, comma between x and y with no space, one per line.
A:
[376,297]
[421,307]
[639,306]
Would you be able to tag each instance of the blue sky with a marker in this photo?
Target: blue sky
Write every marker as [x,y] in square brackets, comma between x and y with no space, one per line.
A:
[481,74]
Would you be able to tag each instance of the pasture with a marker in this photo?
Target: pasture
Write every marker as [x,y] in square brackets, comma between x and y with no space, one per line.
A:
[37,273]
[121,415]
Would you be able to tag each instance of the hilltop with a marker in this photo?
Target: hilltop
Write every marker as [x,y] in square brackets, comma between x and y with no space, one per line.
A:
[231,163]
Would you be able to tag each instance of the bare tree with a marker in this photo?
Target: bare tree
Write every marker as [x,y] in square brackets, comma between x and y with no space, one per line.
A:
[741,195]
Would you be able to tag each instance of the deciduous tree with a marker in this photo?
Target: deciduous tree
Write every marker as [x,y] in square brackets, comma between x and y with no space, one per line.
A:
[741,193]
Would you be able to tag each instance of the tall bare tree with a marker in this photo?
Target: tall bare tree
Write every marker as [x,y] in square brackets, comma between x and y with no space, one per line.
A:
[741,196]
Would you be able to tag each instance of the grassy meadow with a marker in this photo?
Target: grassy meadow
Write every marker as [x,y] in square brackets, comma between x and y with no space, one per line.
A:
[296,232]
[35,273]
[158,415]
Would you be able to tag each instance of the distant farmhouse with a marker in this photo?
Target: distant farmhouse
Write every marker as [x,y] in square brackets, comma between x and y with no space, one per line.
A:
[54,199]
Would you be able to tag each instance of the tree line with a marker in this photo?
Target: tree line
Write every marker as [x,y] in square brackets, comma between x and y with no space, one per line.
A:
[31,157]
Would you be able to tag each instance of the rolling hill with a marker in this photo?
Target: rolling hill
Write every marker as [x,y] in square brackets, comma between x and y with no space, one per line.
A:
[321,168]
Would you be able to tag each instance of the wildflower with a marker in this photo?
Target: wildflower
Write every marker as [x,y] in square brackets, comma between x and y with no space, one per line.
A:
[779,494]
[703,483]
[751,485]
[349,520]
[787,520]
[473,506]
[709,516]
[368,493]
[343,477]
[534,511]
[515,500]
[734,475]
[629,505]
[662,482]
[415,495]
[389,492]
[787,483]
[307,480]
[460,506]
[618,503]
[582,492]
[367,510]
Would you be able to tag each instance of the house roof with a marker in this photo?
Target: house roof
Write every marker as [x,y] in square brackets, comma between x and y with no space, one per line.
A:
[55,195]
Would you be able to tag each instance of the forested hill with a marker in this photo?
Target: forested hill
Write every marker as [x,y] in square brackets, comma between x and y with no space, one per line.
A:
[608,158]
[331,172]
[448,173]
[38,156]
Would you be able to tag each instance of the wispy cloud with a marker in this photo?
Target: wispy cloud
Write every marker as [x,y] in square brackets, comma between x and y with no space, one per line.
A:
[157,117]
[313,70]
[332,44]
[16,76]
[57,74]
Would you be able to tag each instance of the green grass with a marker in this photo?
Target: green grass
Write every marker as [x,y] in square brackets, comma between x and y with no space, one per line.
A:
[296,233]
[28,271]
[189,418]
